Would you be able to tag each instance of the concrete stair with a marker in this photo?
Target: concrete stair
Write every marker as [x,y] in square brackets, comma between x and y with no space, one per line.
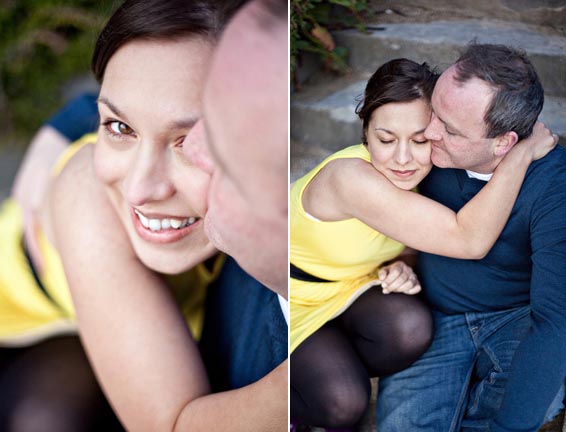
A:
[440,42]
[323,118]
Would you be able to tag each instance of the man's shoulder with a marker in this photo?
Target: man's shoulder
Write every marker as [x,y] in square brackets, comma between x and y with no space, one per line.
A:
[544,188]
[558,155]
[550,170]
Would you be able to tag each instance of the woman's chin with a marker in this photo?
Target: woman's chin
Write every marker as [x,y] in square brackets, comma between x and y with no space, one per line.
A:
[176,263]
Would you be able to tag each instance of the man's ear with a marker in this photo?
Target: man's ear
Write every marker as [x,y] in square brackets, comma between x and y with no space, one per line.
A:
[505,142]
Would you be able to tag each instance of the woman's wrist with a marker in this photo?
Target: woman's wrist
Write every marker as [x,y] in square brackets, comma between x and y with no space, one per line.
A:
[520,155]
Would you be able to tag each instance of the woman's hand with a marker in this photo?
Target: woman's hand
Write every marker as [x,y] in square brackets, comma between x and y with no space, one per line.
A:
[400,278]
[540,143]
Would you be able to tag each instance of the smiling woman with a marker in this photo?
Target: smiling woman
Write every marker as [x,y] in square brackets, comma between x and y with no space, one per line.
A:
[158,195]
[141,203]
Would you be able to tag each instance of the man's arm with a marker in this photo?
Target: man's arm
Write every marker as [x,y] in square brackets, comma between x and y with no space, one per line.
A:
[539,365]
[77,118]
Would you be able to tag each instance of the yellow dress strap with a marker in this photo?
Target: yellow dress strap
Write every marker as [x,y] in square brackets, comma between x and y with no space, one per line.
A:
[190,290]
[67,155]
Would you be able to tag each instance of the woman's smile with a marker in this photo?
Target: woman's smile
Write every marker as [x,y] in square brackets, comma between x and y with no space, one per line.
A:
[163,229]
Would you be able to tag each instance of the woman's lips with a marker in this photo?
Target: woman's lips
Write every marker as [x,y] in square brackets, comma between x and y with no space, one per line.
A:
[163,230]
[403,173]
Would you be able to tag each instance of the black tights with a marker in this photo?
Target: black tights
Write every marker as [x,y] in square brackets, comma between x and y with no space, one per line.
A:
[51,387]
[377,335]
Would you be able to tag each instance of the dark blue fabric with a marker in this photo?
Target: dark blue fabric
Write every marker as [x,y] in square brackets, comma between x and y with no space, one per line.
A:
[527,266]
[245,333]
[78,117]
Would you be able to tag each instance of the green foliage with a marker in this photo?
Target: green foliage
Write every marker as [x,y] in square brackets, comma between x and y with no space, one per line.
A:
[43,44]
[310,22]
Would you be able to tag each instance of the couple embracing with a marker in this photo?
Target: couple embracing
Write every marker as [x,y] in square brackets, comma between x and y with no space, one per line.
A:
[481,346]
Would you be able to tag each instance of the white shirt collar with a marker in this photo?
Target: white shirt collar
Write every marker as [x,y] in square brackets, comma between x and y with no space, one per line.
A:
[479,176]
[284,308]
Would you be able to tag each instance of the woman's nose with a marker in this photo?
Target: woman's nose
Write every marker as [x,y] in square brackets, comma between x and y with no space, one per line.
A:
[148,179]
[195,148]
[404,154]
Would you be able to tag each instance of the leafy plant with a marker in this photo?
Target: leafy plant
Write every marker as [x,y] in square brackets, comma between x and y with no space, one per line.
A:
[311,22]
[43,44]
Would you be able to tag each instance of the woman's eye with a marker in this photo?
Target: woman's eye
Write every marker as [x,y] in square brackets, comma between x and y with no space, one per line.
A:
[120,128]
[421,142]
[386,142]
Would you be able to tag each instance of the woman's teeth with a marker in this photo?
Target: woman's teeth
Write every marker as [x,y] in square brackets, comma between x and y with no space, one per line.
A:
[162,224]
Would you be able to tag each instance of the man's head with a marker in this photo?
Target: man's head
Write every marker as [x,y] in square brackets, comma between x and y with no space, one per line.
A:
[482,105]
[245,114]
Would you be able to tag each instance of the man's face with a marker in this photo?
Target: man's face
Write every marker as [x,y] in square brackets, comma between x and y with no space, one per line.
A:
[245,133]
[457,128]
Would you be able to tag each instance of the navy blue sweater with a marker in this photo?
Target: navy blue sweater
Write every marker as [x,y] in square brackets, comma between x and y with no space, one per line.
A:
[526,266]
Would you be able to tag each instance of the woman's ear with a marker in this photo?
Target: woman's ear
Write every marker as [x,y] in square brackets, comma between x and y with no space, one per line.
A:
[505,142]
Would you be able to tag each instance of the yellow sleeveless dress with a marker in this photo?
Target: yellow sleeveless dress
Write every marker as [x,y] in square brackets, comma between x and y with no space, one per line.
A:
[347,252]
[29,314]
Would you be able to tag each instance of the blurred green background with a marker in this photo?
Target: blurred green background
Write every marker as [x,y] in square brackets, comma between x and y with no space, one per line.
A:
[45,50]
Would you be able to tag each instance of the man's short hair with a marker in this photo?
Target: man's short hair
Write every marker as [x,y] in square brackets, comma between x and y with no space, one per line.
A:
[519,95]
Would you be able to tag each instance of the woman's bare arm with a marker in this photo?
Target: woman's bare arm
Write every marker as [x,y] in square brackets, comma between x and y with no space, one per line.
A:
[359,191]
[135,336]
[258,407]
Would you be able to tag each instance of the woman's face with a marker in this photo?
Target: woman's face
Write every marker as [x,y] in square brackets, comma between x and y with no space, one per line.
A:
[149,101]
[396,142]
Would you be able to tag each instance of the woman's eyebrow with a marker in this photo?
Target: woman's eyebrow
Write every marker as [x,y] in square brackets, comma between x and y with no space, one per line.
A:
[186,123]
[111,106]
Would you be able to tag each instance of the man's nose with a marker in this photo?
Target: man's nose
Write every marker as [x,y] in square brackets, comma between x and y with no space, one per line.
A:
[432,131]
[195,148]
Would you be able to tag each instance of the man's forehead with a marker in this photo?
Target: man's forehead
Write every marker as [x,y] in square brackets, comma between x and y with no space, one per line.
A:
[469,95]
[246,100]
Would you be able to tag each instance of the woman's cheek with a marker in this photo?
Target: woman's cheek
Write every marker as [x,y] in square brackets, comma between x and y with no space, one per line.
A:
[424,155]
[107,167]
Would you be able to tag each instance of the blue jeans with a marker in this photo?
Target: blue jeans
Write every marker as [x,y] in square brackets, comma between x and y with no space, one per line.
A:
[458,384]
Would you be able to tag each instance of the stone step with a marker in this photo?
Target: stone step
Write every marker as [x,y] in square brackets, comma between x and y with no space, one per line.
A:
[440,42]
[323,121]
[548,14]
